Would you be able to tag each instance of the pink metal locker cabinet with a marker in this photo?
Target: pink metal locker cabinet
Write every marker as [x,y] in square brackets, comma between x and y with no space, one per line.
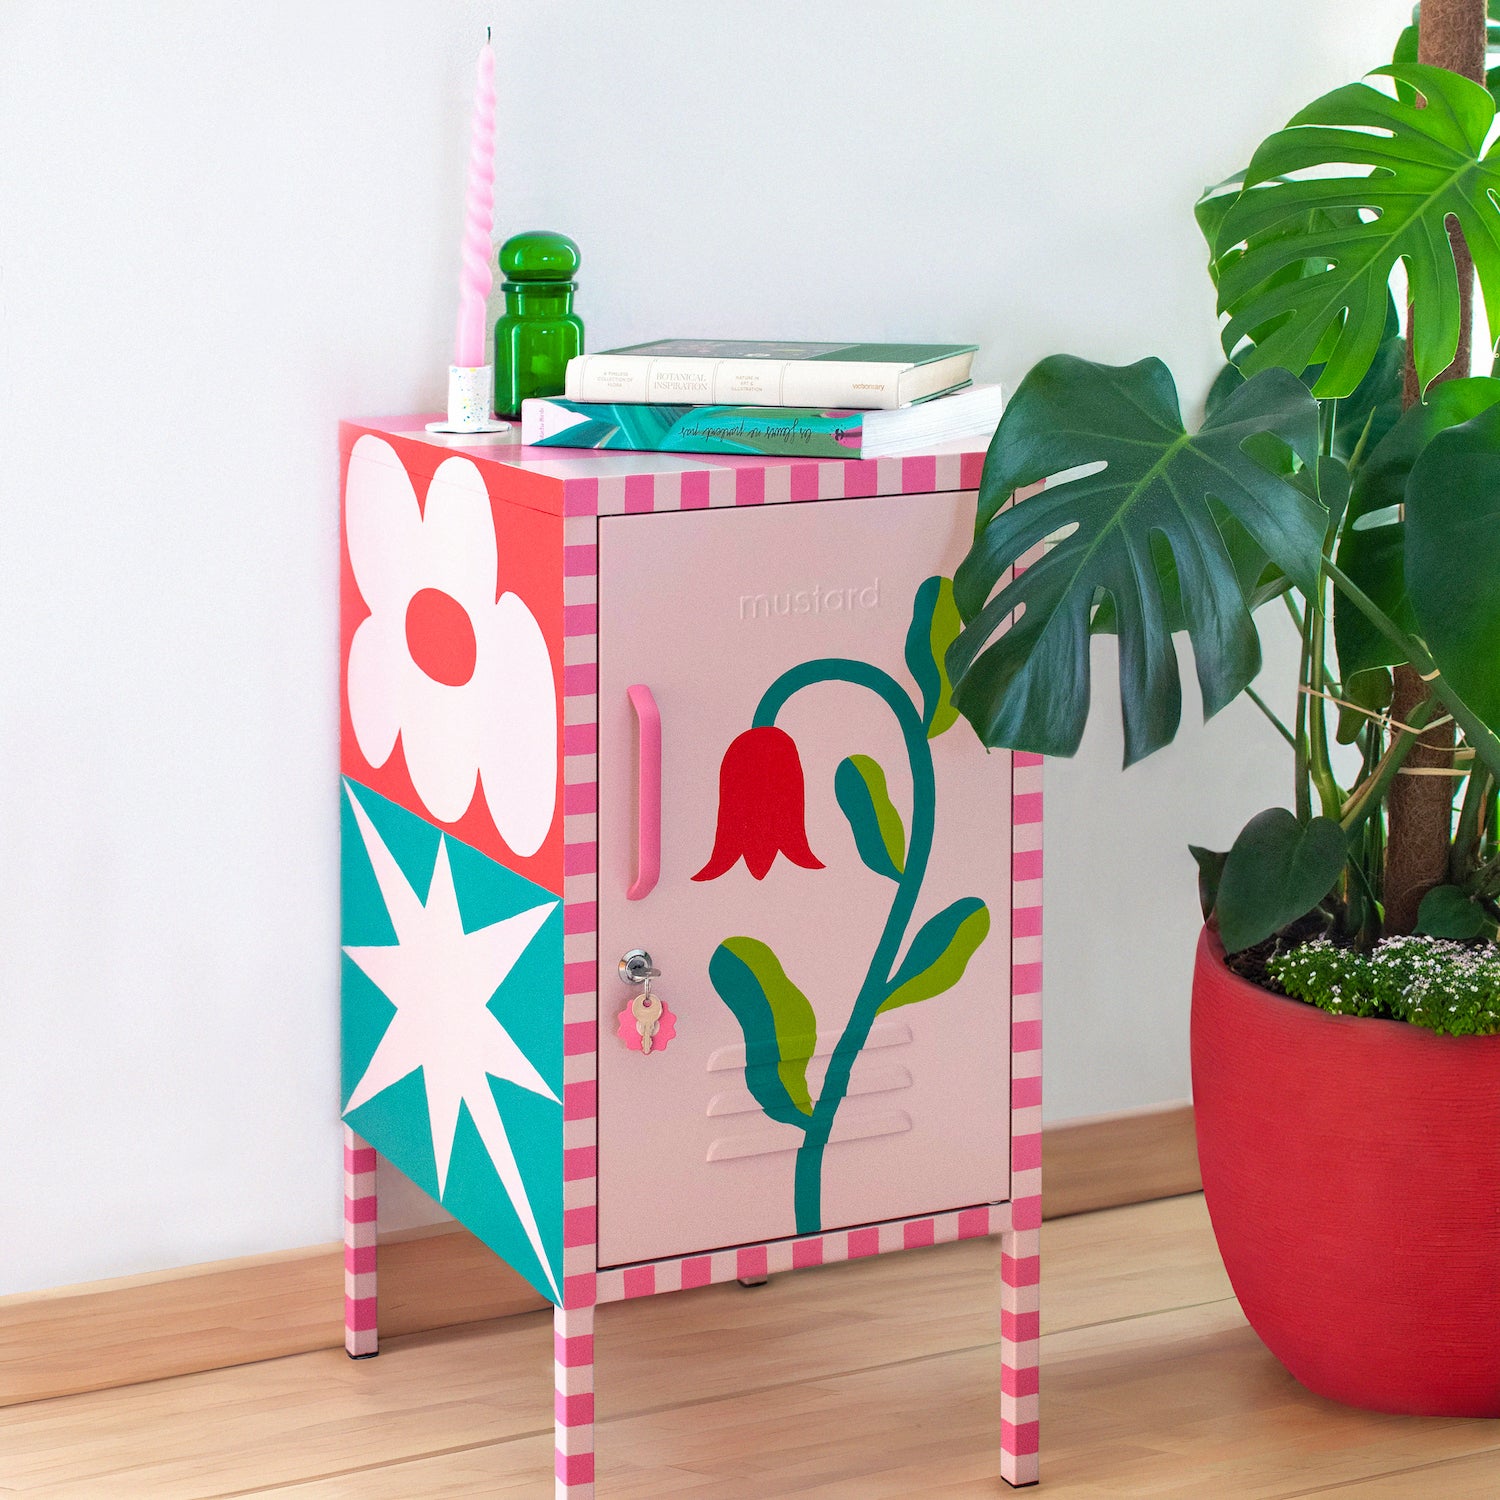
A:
[689,934]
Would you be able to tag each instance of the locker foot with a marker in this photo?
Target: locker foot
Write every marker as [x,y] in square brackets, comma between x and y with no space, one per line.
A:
[370,1355]
[750,1282]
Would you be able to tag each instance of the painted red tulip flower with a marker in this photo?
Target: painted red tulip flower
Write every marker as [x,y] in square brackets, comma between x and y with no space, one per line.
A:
[762,806]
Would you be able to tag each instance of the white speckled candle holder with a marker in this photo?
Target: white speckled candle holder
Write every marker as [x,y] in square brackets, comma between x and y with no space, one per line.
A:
[471,401]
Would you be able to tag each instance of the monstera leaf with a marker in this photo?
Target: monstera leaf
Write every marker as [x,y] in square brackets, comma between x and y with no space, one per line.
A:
[1314,224]
[859,785]
[781,1031]
[1453,558]
[934,626]
[1277,871]
[1424,165]
[940,953]
[1149,491]
[1372,549]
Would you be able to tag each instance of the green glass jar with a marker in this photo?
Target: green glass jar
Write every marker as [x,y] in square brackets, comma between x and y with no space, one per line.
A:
[539,332]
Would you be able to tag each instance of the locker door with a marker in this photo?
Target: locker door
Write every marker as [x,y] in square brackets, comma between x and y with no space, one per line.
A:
[841,1046]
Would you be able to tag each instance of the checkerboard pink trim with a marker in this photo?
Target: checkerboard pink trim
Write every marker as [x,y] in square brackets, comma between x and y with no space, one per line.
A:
[361,1336]
[573,1381]
[704,483]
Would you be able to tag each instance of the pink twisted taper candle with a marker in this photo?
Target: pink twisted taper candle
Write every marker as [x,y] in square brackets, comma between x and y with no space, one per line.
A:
[476,277]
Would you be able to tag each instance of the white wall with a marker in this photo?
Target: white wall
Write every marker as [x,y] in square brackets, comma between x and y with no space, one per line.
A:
[222,227]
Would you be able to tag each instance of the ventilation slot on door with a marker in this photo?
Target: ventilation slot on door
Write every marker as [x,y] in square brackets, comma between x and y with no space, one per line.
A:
[861,1117]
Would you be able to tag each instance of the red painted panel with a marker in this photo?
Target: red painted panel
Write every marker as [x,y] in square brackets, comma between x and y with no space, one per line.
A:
[434,639]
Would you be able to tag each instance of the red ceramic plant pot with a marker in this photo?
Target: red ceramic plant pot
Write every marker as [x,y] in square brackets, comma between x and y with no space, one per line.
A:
[1352,1172]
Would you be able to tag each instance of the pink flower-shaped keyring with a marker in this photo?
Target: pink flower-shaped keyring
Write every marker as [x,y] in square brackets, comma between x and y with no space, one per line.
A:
[646,1025]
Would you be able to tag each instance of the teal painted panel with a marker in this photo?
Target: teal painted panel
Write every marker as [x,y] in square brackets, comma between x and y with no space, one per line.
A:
[452,1027]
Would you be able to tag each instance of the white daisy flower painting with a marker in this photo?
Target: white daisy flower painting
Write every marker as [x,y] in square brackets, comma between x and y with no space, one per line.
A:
[450,687]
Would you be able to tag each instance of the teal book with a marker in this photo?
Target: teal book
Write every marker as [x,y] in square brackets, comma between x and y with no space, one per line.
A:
[793,432]
[750,372]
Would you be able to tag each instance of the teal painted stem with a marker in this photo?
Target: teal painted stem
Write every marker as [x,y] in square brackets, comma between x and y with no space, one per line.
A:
[876,989]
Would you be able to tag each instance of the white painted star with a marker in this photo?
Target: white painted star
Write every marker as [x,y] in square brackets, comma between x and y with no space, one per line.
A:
[441,980]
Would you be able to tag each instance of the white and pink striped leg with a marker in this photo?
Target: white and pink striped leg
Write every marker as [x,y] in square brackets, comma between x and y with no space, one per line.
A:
[573,1370]
[1020,1311]
[361,1337]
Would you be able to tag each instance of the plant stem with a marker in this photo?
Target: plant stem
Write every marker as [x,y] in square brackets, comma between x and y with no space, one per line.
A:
[1465,851]
[1301,789]
[1484,740]
[1359,447]
[1320,766]
[808,1173]
[1368,795]
[1265,708]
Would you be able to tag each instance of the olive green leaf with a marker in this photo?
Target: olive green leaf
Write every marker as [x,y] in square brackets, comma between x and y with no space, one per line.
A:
[1446,912]
[781,1031]
[1372,549]
[1452,559]
[1278,870]
[940,953]
[880,837]
[934,626]
[1424,164]
[1142,486]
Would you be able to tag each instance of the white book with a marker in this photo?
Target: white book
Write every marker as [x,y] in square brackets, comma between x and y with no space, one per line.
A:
[728,372]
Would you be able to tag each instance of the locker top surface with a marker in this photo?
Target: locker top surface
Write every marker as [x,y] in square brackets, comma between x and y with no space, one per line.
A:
[584,481]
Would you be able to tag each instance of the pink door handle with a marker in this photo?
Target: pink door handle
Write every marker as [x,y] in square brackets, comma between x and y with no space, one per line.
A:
[648,799]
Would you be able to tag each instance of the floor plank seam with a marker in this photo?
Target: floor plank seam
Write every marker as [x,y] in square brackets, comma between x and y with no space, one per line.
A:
[391,1463]
[1437,1463]
[1154,1312]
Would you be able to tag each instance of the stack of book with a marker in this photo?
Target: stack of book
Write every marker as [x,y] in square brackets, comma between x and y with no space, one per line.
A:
[800,400]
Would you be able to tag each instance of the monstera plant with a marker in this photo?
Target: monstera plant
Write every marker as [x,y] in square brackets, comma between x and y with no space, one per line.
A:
[1305,488]
[1348,473]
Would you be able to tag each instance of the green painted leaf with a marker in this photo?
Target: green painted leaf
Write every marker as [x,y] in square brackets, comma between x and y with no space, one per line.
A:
[1424,165]
[934,627]
[1452,558]
[880,837]
[781,1031]
[1210,873]
[1149,485]
[940,953]
[1446,912]
[1278,870]
[1372,548]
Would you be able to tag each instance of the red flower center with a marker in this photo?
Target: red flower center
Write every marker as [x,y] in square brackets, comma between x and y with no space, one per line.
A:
[440,637]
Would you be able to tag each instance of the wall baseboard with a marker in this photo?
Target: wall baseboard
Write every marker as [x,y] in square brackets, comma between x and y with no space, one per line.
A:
[231,1312]
[1107,1161]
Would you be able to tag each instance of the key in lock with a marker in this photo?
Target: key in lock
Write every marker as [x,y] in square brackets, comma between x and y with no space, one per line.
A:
[646,1025]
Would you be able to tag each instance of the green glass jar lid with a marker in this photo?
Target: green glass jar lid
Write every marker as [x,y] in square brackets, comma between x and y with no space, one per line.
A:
[539,255]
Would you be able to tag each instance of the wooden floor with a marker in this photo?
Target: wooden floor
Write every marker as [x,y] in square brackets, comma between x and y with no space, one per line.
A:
[865,1381]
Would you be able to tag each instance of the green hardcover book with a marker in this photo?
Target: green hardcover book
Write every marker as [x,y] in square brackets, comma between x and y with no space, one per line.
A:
[796,432]
[747,372]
